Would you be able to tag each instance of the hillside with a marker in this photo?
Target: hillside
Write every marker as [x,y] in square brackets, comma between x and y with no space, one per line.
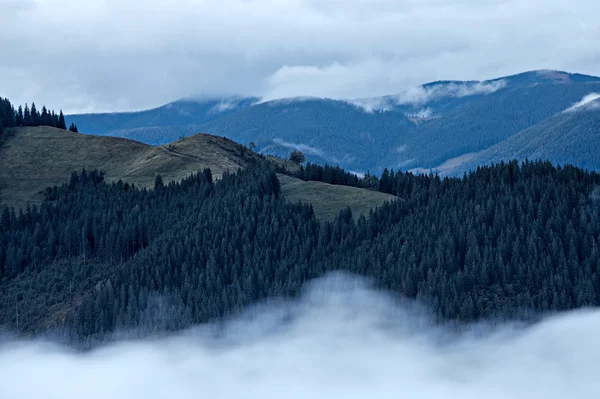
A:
[328,199]
[38,157]
[507,242]
[487,121]
[566,138]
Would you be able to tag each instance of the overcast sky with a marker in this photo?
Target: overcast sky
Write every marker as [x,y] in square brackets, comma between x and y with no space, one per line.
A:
[105,55]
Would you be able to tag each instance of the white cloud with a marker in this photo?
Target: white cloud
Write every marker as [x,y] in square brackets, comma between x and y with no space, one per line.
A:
[358,174]
[342,340]
[422,113]
[424,94]
[587,102]
[305,148]
[401,148]
[225,105]
[118,55]
[420,95]
[371,105]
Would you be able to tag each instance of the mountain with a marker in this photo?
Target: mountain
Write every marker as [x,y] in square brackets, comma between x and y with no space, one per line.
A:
[420,128]
[188,111]
[489,120]
[569,137]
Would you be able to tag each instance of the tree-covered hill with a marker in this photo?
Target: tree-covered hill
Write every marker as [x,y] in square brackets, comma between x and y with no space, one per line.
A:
[99,257]
[571,137]
[490,120]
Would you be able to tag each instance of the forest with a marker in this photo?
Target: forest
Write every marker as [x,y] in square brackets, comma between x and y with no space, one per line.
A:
[26,116]
[508,241]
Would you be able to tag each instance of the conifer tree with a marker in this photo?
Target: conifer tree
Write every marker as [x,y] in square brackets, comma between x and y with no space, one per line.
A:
[61,121]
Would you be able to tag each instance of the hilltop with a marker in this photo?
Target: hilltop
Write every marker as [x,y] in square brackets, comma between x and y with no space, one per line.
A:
[38,157]
[35,158]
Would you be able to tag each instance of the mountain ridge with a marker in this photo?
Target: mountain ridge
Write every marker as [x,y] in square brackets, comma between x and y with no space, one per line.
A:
[420,128]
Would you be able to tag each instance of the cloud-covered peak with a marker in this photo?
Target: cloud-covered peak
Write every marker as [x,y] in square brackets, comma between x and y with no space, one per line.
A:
[420,96]
[424,94]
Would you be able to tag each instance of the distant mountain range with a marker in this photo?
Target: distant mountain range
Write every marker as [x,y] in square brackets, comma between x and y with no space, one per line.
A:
[444,126]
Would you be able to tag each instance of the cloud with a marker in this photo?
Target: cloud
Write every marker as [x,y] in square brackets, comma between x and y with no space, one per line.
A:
[422,113]
[307,149]
[224,105]
[116,55]
[587,102]
[421,95]
[401,148]
[371,105]
[343,339]
[358,174]
[424,94]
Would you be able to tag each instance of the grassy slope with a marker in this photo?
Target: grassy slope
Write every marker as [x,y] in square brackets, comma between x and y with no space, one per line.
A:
[328,199]
[34,158]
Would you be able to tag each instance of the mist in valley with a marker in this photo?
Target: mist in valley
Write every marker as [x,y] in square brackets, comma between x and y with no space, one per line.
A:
[341,339]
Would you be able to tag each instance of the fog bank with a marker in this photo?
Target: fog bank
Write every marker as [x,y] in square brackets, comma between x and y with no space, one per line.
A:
[342,339]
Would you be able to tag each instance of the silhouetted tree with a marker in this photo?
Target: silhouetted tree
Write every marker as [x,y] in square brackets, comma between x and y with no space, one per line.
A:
[297,157]
[61,121]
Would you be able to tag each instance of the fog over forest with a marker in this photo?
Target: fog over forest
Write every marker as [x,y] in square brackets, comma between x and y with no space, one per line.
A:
[341,339]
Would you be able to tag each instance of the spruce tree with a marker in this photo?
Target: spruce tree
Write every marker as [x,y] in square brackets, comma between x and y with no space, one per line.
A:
[61,121]
[35,117]
[19,118]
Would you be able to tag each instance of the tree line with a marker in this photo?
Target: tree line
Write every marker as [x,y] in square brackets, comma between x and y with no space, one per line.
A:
[508,241]
[390,182]
[30,116]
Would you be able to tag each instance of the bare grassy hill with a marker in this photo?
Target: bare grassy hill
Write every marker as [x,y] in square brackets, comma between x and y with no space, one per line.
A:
[329,199]
[33,158]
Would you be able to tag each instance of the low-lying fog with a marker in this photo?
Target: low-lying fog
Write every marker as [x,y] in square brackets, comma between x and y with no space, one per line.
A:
[341,340]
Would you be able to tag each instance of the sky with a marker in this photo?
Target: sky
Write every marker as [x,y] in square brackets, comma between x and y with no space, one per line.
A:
[342,339]
[116,55]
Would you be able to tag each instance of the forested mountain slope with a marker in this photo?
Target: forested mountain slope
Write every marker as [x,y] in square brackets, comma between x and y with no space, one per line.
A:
[571,137]
[97,258]
[188,111]
[490,120]
[419,128]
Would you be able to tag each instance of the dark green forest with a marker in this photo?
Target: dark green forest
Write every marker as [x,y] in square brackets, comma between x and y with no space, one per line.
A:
[505,242]
[26,116]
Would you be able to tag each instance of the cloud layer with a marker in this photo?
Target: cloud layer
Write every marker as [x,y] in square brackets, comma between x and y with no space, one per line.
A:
[342,340]
[116,54]
[588,102]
